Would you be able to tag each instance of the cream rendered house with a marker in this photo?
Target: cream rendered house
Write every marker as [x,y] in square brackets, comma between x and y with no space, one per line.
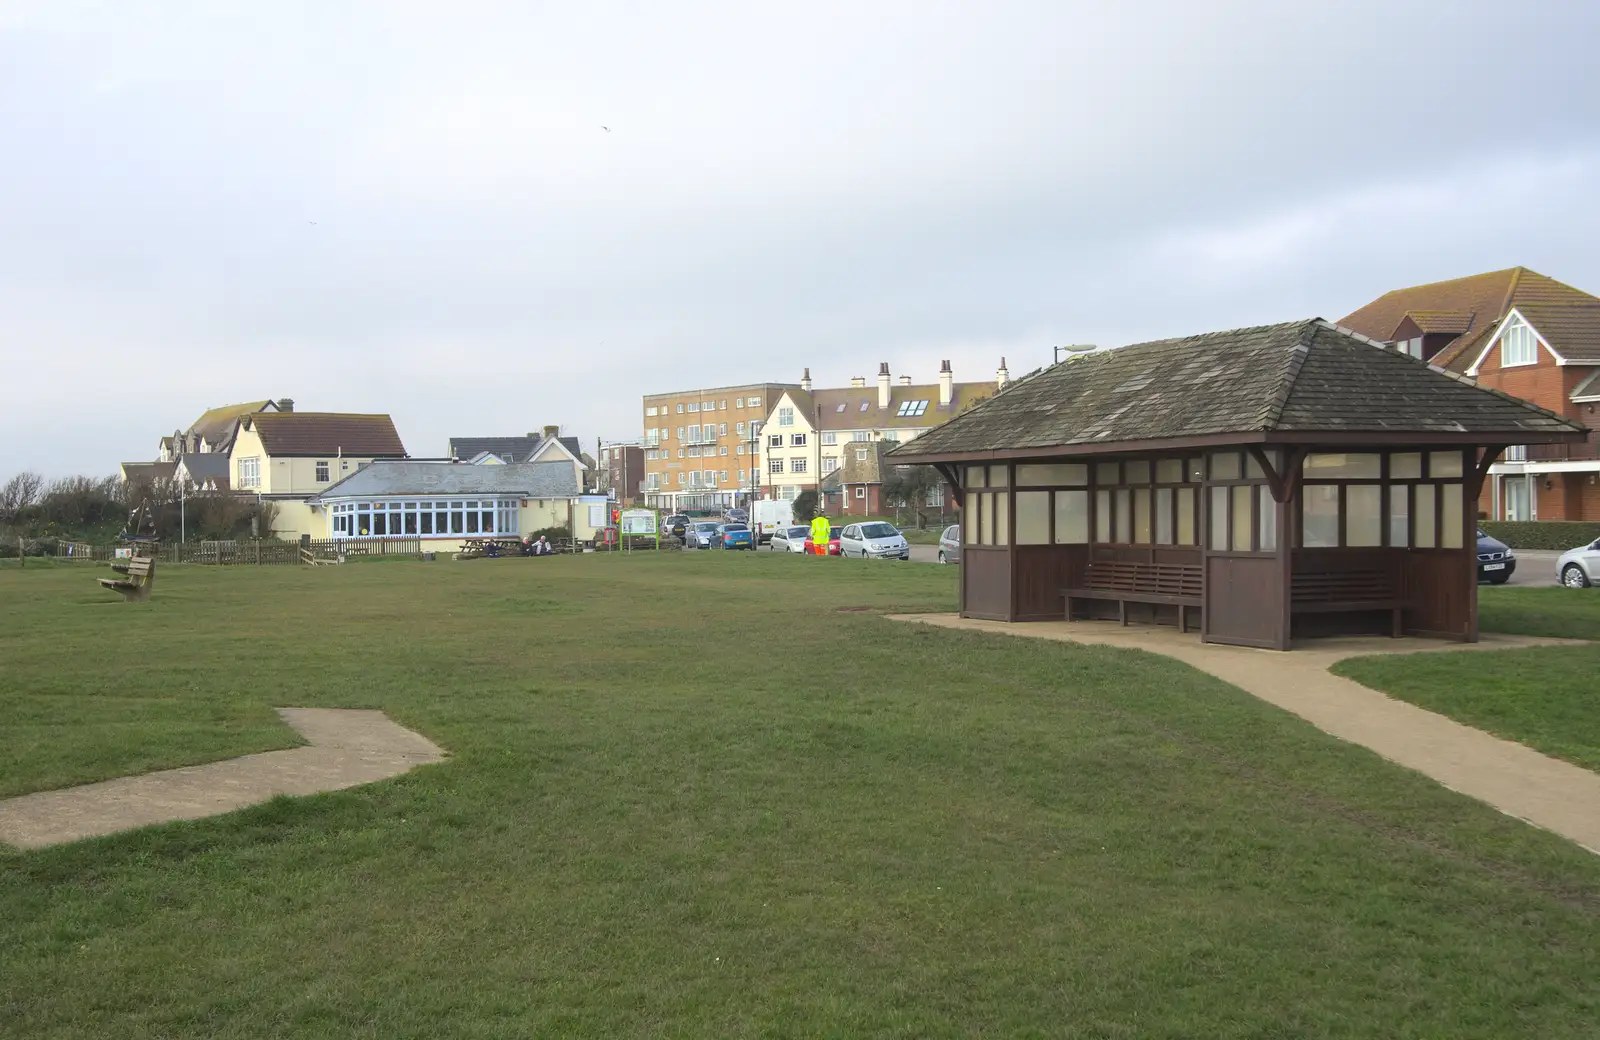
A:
[288,458]
[808,431]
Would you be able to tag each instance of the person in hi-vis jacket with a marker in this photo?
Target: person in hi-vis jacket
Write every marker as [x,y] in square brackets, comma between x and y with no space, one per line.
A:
[821,531]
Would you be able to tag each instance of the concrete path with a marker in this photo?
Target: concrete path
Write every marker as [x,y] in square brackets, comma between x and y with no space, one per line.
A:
[347,748]
[1515,779]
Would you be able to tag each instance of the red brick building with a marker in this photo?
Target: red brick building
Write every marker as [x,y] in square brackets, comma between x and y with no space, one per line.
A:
[1527,335]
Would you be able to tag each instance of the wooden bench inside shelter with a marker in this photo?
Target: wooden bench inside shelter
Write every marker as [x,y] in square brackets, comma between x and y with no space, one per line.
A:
[140,575]
[1127,581]
[1347,591]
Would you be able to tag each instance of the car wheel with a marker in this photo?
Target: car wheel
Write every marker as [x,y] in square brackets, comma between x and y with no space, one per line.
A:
[1572,577]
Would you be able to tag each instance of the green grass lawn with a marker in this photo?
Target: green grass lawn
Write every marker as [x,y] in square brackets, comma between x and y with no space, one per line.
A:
[1545,697]
[707,795]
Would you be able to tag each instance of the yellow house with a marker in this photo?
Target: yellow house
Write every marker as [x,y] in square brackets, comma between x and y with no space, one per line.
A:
[288,458]
[443,503]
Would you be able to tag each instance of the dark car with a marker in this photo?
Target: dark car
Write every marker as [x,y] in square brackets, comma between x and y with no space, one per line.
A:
[738,516]
[1496,562]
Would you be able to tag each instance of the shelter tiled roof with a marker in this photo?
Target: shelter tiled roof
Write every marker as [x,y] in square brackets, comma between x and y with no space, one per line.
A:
[409,477]
[329,434]
[1303,376]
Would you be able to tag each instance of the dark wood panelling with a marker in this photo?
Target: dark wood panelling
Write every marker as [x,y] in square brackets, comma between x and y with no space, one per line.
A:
[1242,597]
[986,582]
[1441,591]
[1042,571]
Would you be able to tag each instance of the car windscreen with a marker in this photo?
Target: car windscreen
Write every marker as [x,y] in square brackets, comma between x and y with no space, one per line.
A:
[878,531]
[799,532]
[734,527]
[705,528]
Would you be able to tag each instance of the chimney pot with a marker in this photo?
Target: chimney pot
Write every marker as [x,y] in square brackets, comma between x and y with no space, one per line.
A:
[805,381]
[858,381]
[905,380]
[285,404]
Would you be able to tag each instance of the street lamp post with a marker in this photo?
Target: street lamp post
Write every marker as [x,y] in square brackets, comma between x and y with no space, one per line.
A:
[1073,348]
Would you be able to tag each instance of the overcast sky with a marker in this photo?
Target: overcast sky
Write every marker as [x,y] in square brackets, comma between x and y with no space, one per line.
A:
[413,207]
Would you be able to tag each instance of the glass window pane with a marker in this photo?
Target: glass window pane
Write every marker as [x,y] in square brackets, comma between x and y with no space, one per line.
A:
[1102,516]
[1071,474]
[472,522]
[1405,465]
[1033,518]
[1138,472]
[1444,464]
[1422,516]
[1197,470]
[997,476]
[986,511]
[1242,514]
[972,520]
[1225,465]
[1141,516]
[1186,535]
[1343,466]
[1319,516]
[1072,517]
[1266,520]
[1002,529]
[1217,522]
[1164,515]
[1169,471]
[1107,474]
[426,520]
[976,475]
[1450,532]
[1363,515]
[1252,468]
[1399,514]
[1124,515]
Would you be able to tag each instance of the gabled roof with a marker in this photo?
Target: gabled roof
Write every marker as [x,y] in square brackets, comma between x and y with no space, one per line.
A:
[1301,377]
[329,434]
[1455,322]
[841,409]
[409,477]
[1589,388]
[855,470]
[203,466]
[216,424]
[556,447]
[520,448]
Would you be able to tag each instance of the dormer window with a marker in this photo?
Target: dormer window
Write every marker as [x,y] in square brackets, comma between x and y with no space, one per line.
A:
[1518,346]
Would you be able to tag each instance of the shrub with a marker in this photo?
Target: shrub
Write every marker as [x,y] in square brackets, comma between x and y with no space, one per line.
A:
[1542,534]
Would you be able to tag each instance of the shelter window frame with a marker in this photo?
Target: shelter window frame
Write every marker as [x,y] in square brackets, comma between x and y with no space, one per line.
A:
[1146,502]
[1241,514]
[1420,502]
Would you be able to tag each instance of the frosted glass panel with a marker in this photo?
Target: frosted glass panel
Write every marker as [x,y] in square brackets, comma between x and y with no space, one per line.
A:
[1102,516]
[1267,520]
[986,511]
[1136,472]
[1450,516]
[1186,533]
[1444,464]
[1343,466]
[1141,516]
[1405,465]
[1217,522]
[1422,517]
[1319,516]
[1164,515]
[1002,526]
[1169,471]
[1072,517]
[977,476]
[997,476]
[1124,517]
[1363,519]
[1072,474]
[1225,466]
[1107,473]
[1241,517]
[1033,518]
[1399,514]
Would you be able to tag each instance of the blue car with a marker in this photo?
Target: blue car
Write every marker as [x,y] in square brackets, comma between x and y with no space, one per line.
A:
[734,536]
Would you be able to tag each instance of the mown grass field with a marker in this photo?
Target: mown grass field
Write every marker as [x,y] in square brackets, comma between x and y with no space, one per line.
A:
[706,795]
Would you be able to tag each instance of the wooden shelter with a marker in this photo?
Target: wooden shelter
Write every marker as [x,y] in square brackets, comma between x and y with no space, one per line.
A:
[1264,483]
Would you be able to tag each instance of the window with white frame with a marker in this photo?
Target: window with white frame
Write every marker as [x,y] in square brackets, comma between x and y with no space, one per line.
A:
[683,478]
[775,441]
[708,406]
[738,402]
[1515,453]
[797,440]
[250,472]
[935,496]
[680,432]
[785,416]
[753,402]
[788,492]
[829,464]
[1518,346]
[774,465]
[722,405]
[694,433]
[651,410]
[431,518]
[680,453]
[722,429]
[723,476]
[861,455]
[694,406]
[722,449]
[830,437]
[861,491]
[738,427]
[797,465]
[652,436]
[739,450]
[861,435]
[891,435]
[694,453]
[912,408]
[322,471]
[680,408]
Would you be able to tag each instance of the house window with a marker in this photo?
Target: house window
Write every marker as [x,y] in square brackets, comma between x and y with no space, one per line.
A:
[680,453]
[410,519]
[722,449]
[694,453]
[722,429]
[1516,453]
[830,438]
[738,427]
[722,405]
[775,441]
[753,402]
[797,440]
[775,466]
[861,491]
[861,435]
[911,408]
[694,406]
[322,471]
[740,450]
[723,475]
[680,431]
[865,405]
[797,465]
[785,416]
[250,472]
[738,402]
[1517,344]
[829,464]
[891,435]
[708,406]
[344,465]
[935,496]
[651,410]
[680,408]
[861,455]
[787,492]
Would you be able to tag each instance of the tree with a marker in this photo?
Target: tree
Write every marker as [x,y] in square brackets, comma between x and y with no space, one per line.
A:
[805,507]
[908,487]
[17,496]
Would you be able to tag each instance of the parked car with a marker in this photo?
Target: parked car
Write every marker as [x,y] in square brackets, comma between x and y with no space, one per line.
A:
[833,542]
[789,539]
[950,544]
[737,516]
[701,534]
[874,540]
[1496,562]
[735,536]
[1580,568]
[676,525]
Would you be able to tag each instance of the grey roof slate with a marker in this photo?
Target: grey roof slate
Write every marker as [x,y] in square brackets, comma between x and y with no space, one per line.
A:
[519,448]
[206,465]
[519,479]
[1306,376]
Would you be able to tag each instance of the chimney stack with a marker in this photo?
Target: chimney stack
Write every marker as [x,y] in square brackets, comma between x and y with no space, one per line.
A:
[905,380]
[805,381]
[947,386]
[1002,375]
[285,404]
[883,385]
[858,381]
[553,432]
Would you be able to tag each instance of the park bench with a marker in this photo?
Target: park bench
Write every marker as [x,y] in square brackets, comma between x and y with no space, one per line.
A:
[1347,591]
[139,575]
[1128,581]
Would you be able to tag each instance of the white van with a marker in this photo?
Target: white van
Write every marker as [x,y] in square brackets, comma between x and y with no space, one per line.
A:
[771,515]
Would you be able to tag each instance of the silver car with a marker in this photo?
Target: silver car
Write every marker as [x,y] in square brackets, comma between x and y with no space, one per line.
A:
[700,535]
[950,544]
[875,540]
[789,539]
[1580,568]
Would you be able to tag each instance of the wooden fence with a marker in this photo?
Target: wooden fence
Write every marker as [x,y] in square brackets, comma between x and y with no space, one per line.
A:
[253,551]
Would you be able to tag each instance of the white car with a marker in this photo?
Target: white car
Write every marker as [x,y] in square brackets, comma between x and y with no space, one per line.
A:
[875,540]
[1579,568]
[789,539]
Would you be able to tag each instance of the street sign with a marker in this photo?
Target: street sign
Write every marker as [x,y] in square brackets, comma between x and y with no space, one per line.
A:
[638,522]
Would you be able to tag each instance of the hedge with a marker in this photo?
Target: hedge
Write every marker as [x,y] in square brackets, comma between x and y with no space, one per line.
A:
[1541,534]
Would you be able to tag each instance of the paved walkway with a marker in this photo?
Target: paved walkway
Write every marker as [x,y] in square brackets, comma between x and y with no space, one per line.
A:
[347,748]
[1515,779]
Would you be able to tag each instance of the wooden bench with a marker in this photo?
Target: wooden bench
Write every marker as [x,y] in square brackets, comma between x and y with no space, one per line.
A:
[1127,581]
[1347,591]
[135,587]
